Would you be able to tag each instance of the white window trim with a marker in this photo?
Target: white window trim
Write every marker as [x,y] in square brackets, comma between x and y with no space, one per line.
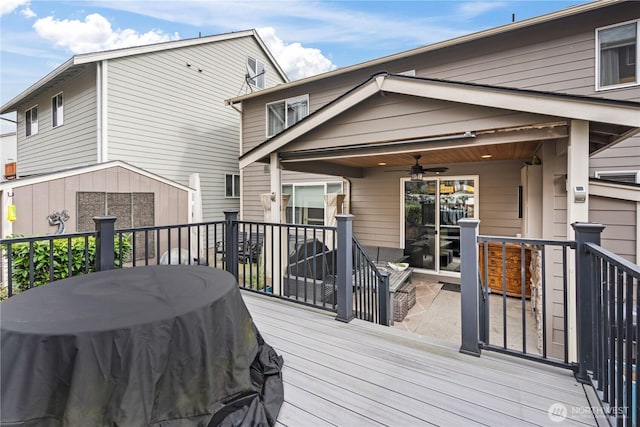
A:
[309,184]
[255,73]
[286,101]
[597,42]
[601,174]
[59,109]
[234,191]
[37,121]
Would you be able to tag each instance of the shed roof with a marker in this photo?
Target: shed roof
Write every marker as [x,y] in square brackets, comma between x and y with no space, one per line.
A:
[35,179]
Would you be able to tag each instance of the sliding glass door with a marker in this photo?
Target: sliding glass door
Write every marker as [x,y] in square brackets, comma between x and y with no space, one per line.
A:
[431,210]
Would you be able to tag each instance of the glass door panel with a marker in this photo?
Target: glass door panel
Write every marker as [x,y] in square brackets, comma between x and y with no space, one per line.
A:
[420,223]
[456,201]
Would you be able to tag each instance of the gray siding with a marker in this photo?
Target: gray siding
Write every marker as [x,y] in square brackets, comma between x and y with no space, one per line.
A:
[198,133]
[68,145]
[619,218]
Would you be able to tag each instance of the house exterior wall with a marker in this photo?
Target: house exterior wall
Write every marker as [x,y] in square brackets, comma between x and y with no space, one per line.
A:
[68,145]
[34,202]
[199,133]
[556,56]
[620,217]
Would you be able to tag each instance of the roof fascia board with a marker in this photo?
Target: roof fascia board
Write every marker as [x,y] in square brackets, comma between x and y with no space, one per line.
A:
[271,57]
[309,123]
[157,47]
[614,191]
[512,100]
[12,104]
[570,11]
[129,51]
[21,182]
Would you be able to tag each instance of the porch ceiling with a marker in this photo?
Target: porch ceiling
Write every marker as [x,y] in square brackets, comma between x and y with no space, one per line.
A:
[519,143]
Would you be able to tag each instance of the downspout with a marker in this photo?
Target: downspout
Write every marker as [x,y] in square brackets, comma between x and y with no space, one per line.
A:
[101,110]
[241,215]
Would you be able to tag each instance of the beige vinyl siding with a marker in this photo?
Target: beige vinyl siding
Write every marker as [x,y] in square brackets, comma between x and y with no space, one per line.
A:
[620,220]
[557,57]
[376,200]
[252,209]
[68,145]
[624,156]
[34,202]
[170,119]
[396,117]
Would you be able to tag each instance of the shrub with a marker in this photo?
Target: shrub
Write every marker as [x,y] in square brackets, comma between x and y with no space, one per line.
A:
[41,259]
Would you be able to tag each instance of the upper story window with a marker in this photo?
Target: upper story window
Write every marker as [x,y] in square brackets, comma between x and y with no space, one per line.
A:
[255,73]
[232,185]
[617,52]
[57,110]
[285,113]
[31,121]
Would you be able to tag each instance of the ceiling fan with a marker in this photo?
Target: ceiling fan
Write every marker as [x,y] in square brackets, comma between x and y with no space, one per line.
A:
[417,171]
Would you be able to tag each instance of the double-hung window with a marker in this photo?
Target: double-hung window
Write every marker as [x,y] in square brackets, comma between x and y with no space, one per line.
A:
[57,110]
[31,121]
[232,185]
[255,73]
[285,113]
[616,55]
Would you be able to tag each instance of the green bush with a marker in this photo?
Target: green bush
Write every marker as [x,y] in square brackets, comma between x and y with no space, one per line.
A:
[41,259]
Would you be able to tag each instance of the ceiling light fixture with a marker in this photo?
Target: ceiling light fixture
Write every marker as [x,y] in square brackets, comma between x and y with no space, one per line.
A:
[416,170]
[486,156]
[437,170]
[382,164]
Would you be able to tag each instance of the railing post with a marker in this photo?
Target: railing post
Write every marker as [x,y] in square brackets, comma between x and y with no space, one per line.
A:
[585,297]
[469,289]
[231,241]
[383,298]
[345,268]
[105,226]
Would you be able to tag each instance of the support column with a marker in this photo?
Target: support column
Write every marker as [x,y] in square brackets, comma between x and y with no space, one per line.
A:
[276,187]
[469,289]
[577,211]
[344,256]
[585,297]
[105,257]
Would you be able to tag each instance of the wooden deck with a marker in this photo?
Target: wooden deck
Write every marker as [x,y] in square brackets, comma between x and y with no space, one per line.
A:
[361,374]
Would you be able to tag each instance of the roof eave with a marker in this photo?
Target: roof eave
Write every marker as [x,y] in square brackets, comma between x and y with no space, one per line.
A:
[12,105]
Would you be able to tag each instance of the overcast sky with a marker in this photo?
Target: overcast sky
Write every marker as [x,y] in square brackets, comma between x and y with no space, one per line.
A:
[306,37]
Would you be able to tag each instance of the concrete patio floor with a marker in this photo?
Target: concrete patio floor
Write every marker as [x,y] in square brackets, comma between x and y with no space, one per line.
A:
[436,315]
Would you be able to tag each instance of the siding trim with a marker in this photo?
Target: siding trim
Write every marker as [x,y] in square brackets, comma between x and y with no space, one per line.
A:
[614,191]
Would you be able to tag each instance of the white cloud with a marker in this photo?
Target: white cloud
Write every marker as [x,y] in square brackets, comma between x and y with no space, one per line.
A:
[296,60]
[8,6]
[28,13]
[94,34]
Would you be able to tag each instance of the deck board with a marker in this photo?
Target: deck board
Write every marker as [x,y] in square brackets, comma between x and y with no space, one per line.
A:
[365,374]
